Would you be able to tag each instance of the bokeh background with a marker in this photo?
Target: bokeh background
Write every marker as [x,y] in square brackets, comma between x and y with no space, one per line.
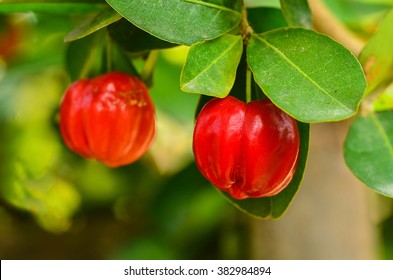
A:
[57,205]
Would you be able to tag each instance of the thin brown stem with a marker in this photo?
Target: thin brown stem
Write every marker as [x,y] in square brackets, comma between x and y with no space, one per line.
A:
[245,28]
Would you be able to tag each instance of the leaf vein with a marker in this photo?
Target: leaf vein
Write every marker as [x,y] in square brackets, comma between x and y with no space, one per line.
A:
[291,63]
[211,5]
[383,134]
[213,62]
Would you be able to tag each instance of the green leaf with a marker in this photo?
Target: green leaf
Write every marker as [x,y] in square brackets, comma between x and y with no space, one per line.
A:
[121,61]
[297,13]
[263,3]
[274,207]
[239,87]
[368,151]
[95,55]
[81,56]
[376,57]
[51,6]
[307,74]
[386,2]
[211,66]
[265,19]
[134,39]
[182,21]
[101,20]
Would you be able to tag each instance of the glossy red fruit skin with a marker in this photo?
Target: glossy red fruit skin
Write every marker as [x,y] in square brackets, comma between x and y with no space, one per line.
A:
[110,118]
[248,150]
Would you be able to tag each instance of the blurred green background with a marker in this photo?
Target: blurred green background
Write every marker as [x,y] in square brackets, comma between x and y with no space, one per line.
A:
[56,205]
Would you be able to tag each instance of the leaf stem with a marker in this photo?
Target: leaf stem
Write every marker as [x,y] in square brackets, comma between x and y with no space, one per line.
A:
[96,49]
[85,71]
[382,132]
[248,85]
[150,63]
[211,5]
[245,28]
[108,54]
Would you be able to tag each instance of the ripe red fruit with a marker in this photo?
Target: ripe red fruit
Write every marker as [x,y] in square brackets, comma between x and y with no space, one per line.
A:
[110,118]
[248,150]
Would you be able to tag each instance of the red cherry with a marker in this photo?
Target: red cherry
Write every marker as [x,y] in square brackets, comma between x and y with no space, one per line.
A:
[248,150]
[110,118]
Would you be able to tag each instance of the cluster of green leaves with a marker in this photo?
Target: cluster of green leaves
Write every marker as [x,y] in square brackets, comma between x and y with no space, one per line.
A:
[368,149]
[42,179]
[305,73]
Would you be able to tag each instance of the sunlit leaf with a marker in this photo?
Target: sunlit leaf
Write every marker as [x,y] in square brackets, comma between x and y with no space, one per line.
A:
[306,74]
[59,202]
[368,151]
[51,201]
[238,89]
[211,66]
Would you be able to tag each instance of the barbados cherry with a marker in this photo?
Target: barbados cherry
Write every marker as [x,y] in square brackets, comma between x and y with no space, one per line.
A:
[110,118]
[248,150]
